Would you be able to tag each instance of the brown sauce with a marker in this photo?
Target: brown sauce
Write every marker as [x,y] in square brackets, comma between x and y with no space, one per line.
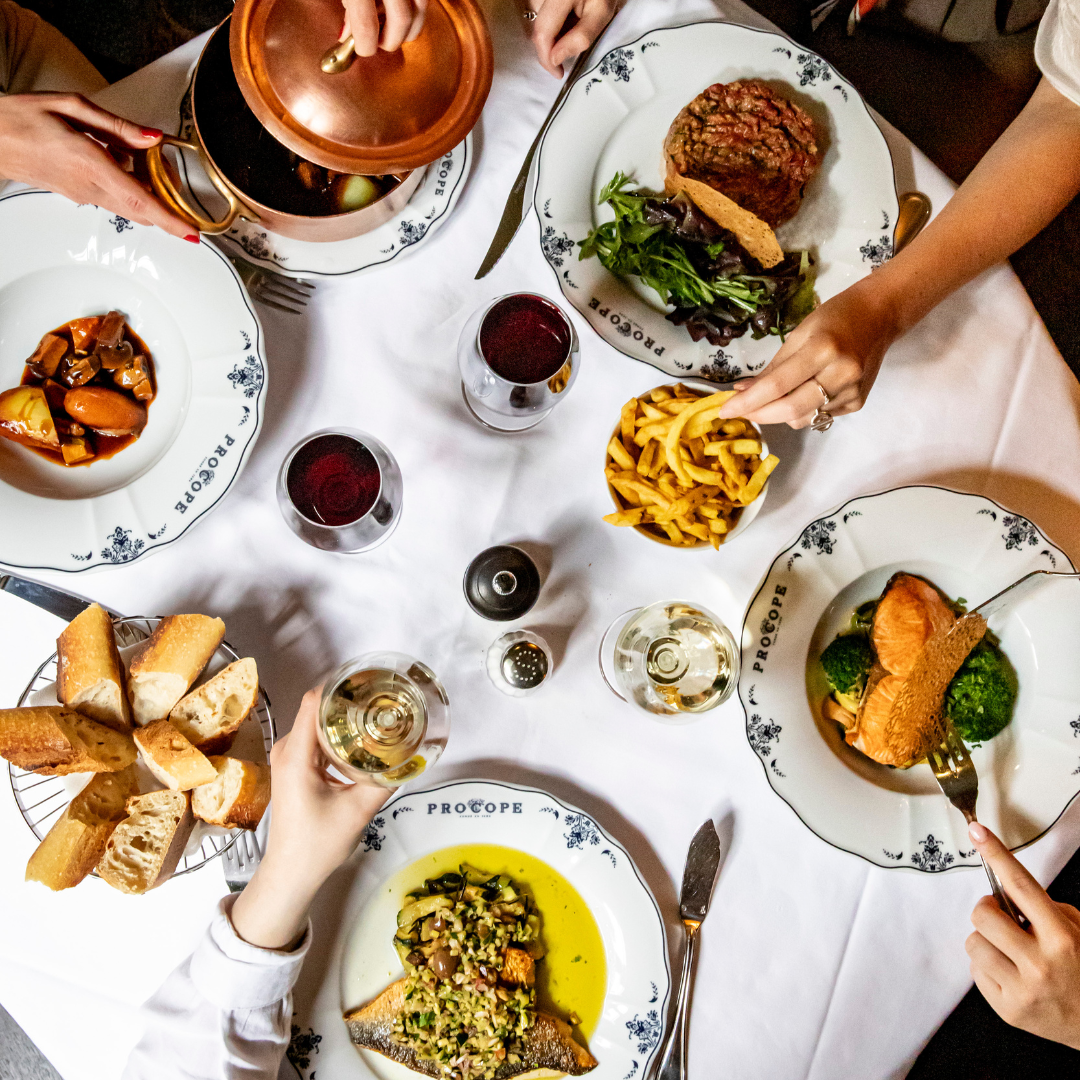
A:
[100,445]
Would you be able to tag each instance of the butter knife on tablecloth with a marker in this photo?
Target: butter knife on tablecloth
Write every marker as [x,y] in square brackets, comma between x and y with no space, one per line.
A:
[699,877]
[56,601]
[514,211]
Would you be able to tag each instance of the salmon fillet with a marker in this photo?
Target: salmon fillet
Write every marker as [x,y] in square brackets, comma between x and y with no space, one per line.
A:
[908,614]
[870,733]
[548,1045]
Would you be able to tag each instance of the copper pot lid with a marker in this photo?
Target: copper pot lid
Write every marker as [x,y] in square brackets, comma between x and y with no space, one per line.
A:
[386,113]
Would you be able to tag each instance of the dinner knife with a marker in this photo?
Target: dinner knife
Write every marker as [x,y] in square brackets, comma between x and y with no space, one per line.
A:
[514,211]
[699,877]
[56,601]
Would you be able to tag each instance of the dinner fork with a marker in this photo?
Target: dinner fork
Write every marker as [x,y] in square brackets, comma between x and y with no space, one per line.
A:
[958,780]
[274,290]
[241,859]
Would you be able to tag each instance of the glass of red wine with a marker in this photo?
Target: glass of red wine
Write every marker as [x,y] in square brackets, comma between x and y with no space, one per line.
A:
[339,489]
[518,358]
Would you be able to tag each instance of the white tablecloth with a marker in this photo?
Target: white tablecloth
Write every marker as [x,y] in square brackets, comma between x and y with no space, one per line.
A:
[813,964]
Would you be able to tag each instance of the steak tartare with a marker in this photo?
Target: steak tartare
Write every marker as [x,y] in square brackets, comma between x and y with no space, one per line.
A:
[749,143]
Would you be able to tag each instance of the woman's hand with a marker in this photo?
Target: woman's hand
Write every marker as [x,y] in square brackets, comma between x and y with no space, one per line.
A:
[315,824]
[382,24]
[1030,977]
[839,347]
[54,141]
[552,46]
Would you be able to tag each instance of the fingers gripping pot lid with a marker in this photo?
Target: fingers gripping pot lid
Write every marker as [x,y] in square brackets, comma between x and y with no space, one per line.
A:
[387,113]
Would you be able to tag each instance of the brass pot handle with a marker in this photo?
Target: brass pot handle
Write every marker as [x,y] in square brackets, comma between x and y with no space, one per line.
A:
[167,191]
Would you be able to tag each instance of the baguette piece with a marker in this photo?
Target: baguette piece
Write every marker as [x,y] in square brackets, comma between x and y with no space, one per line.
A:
[171,758]
[89,675]
[146,846]
[75,844]
[238,798]
[210,715]
[169,661]
[54,740]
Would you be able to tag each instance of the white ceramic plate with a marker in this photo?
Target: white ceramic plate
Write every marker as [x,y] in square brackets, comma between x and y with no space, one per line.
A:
[41,799]
[971,548]
[483,812]
[615,119]
[59,261]
[430,206]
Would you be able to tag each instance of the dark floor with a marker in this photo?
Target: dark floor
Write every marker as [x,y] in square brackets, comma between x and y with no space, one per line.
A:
[952,101]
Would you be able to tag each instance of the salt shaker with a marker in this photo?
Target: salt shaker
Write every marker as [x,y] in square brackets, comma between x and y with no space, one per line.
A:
[519,662]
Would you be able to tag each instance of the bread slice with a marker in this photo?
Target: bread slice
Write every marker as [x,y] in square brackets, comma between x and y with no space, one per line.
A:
[89,675]
[238,798]
[169,661]
[54,740]
[171,758]
[75,844]
[210,715]
[146,846]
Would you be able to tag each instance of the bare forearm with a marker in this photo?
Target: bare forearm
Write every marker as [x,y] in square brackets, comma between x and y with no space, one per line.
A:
[1029,175]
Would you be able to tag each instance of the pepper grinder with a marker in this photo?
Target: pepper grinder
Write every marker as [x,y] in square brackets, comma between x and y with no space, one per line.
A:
[502,583]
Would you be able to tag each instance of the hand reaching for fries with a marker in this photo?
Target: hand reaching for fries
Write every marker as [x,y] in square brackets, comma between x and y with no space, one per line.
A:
[680,470]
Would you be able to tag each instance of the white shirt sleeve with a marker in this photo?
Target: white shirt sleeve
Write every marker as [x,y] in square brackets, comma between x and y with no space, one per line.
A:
[224,1014]
[1057,47]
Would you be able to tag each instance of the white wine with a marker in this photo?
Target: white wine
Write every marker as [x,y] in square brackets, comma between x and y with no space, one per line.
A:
[673,657]
[383,717]
[374,720]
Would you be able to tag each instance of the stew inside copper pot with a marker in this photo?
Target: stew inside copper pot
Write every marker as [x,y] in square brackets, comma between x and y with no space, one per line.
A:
[255,162]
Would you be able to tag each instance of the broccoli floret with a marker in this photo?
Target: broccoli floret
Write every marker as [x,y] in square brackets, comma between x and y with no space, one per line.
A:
[981,696]
[847,662]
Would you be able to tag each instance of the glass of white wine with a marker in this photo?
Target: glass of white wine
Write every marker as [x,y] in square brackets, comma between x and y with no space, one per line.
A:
[673,659]
[384,717]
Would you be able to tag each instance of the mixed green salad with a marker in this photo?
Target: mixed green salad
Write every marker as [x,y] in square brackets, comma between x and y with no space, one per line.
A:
[718,290]
[469,942]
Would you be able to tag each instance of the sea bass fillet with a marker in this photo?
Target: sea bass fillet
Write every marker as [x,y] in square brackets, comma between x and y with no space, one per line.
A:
[548,1047]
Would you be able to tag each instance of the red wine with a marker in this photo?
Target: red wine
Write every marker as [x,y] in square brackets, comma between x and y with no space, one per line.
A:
[333,480]
[525,338]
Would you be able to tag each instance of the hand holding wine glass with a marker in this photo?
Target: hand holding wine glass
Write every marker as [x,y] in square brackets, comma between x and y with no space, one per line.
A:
[316,822]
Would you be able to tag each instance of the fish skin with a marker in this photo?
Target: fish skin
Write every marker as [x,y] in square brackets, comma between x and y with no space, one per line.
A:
[548,1044]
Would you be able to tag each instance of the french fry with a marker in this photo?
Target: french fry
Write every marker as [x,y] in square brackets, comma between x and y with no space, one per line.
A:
[680,471]
[746,446]
[687,504]
[645,461]
[620,455]
[698,409]
[672,531]
[643,490]
[757,481]
[626,517]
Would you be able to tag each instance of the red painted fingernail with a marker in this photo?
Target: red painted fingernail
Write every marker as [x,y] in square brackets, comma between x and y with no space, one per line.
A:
[193,238]
[150,133]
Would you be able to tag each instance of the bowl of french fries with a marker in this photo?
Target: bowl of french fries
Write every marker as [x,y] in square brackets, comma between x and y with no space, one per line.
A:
[681,475]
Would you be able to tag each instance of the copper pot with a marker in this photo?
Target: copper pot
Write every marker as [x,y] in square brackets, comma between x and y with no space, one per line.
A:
[386,117]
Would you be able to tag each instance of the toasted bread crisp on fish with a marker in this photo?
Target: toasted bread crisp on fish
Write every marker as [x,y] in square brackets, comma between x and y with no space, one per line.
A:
[753,233]
[466,1010]
[548,1044]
